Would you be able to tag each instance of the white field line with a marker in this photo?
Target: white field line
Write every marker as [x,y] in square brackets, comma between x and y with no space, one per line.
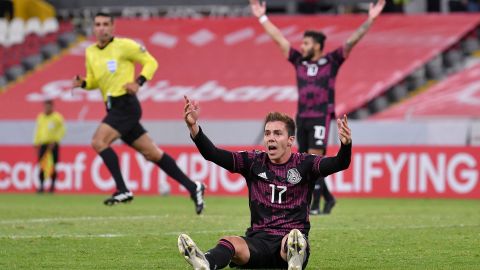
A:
[396,227]
[89,218]
[85,218]
[115,235]
[109,235]
[174,233]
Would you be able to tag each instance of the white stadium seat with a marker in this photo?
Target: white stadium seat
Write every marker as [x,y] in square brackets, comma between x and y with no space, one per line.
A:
[34,26]
[16,31]
[50,25]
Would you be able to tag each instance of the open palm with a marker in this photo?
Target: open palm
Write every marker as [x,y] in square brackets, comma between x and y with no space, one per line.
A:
[258,9]
[190,111]
[376,9]
[344,131]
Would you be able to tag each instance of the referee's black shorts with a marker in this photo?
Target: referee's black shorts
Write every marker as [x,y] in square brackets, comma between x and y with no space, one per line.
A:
[124,116]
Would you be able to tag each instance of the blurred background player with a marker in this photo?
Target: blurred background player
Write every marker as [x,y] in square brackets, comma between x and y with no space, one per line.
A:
[110,67]
[279,184]
[49,131]
[316,72]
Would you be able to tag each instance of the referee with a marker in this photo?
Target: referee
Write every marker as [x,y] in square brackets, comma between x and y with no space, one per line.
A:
[49,131]
[110,65]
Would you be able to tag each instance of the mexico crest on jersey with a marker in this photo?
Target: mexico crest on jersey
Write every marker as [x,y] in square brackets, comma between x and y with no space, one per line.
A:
[293,176]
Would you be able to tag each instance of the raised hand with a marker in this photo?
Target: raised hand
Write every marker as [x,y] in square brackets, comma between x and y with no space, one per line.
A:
[344,132]
[375,10]
[190,111]
[258,9]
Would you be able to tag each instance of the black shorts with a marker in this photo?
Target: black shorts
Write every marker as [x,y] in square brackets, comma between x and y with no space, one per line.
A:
[124,116]
[265,252]
[312,133]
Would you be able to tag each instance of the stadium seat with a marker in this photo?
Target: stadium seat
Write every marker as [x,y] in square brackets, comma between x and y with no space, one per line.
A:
[434,68]
[3,81]
[65,27]
[33,36]
[471,43]
[3,40]
[454,60]
[361,113]
[417,78]
[50,50]
[50,30]
[66,39]
[66,34]
[15,47]
[379,104]
[398,92]
[3,29]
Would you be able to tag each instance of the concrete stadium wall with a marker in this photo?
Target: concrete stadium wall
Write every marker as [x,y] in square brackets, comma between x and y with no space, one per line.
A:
[441,132]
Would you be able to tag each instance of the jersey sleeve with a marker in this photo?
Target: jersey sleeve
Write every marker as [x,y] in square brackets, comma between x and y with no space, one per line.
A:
[325,166]
[337,56]
[294,56]
[242,161]
[138,54]
[316,164]
[90,80]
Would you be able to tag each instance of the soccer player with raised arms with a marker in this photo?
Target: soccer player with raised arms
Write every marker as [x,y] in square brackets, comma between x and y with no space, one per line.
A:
[316,72]
[280,185]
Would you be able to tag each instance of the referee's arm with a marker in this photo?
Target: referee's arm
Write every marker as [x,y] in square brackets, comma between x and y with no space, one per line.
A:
[139,54]
[90,82]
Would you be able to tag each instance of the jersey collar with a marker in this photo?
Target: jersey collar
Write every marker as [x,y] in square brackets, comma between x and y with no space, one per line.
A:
[110,41]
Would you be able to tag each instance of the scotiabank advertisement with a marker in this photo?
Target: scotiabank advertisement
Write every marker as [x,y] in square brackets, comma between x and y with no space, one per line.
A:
[236,71]
[421,172]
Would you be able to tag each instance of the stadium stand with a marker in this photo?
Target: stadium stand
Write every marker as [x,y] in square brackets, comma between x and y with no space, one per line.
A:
[458,96]
[244,65]
[24,44]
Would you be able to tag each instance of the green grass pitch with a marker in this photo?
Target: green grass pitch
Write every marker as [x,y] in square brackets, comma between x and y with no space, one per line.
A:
[79,232]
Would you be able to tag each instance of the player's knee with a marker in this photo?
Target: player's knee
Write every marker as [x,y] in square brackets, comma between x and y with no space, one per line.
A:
[151,156]
[98,145]
[230,239]
[242,254]
[237,242]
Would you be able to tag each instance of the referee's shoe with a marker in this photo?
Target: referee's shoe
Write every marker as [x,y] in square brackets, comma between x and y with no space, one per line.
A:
[197,197]
[119,197]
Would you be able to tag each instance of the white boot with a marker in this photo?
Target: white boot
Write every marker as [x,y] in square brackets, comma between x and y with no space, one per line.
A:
[296,250]
[192,254]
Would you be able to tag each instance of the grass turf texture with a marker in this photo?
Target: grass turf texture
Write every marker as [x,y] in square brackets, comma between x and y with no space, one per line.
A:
[79,232]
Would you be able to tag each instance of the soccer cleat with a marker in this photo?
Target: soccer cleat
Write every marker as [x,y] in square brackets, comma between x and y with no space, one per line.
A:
[197,197]
[296,250]
[327,208]
[192,254]
[315,212]
[119,197]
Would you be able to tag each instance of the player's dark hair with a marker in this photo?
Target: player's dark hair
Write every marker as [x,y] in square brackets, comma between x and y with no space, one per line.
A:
[276,116]
[318,37]
[104,14]
[48,102]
